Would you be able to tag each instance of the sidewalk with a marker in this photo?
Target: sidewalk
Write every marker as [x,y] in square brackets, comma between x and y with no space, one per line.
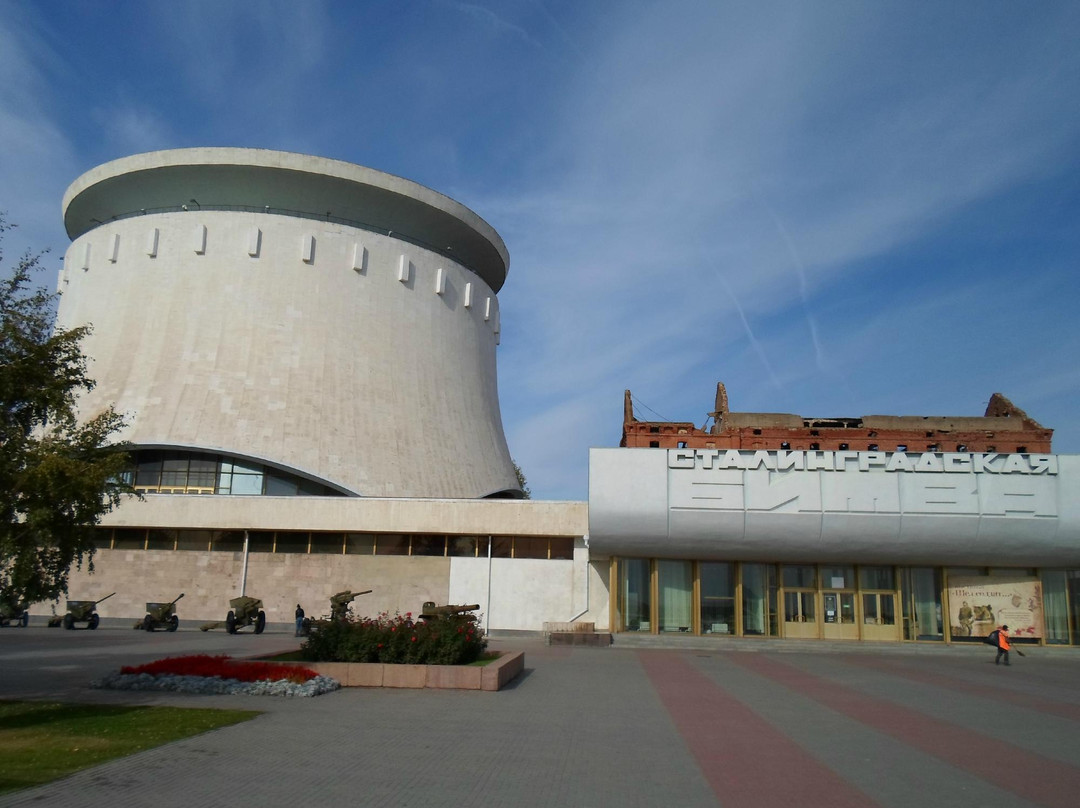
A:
[613,726]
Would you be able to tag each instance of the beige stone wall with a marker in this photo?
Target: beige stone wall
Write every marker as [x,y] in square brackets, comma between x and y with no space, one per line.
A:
[371,365]
[464,517]
[524,593]
[210,579]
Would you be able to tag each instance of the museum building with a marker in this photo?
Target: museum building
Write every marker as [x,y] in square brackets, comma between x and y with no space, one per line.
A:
[875,528]
[305,353]
[304,350]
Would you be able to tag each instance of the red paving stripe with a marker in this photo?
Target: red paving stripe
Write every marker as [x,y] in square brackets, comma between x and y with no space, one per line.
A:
[740,754]
[1009,767]
[968,688]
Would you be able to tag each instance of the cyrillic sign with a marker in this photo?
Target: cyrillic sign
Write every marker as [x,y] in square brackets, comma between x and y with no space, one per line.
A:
[800,460]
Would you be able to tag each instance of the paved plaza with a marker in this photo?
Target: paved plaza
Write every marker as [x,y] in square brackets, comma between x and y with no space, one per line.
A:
[686,723]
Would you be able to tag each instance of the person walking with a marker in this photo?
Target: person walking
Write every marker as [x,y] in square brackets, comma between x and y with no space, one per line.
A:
[1002,645]
[300,623]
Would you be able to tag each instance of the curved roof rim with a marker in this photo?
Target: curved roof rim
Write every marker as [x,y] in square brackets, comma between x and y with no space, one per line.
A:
[251,176]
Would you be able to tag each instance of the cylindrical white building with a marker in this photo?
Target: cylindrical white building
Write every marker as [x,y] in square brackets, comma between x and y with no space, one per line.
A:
[278,323]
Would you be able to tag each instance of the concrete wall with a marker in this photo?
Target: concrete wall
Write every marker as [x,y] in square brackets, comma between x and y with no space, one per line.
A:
[963,509]
[209,580]
[346,355]
[524,592]
[464,517]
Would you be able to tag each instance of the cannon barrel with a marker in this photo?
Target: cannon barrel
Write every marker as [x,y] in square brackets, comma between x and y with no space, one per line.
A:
[430,610]
[347,596]
[339,603]
[96,602]
[177,598]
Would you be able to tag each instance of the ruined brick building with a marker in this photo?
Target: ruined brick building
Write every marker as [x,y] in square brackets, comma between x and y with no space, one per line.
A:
[1004,427]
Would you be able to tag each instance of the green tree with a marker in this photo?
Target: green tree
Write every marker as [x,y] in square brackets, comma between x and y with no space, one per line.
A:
[58,477]
[522,483]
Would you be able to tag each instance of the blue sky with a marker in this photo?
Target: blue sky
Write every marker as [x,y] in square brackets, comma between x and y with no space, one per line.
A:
[838,209]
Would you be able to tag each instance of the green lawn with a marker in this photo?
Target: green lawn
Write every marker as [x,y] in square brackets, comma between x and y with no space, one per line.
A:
[42,741]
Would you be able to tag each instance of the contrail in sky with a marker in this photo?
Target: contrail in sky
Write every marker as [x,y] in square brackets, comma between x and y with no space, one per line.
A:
[750,332]
[803,288]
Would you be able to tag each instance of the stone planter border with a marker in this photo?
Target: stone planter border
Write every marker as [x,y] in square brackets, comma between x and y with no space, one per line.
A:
[493,676]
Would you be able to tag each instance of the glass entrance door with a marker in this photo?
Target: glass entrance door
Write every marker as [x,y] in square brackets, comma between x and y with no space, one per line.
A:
[635,602]
[922,604]
[839,616]
[878,608]
[838,602]
[800,601]
[759,600]
[717,597]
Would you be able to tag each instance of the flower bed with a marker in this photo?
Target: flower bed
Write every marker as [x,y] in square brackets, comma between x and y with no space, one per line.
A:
[206,674]
[491,677]
[244,670]
[397,640]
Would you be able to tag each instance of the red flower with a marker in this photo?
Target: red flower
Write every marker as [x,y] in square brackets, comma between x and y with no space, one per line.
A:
[414,638]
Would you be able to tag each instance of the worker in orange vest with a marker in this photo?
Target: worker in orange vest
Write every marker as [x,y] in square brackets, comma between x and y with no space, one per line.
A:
[1002,645]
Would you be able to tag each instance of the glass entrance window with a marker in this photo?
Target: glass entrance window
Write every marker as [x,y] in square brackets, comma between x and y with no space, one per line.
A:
[759,599]
[1072,578]
[717,597]
[877,578]
[799,576]
[879,609]
[1055,607]
[838,577]
[635,603]
[923,586]
[800,600]
[676,583]
[839,607]
[798,607]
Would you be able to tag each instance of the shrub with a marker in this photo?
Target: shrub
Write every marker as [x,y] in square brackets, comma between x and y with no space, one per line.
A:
[397,639]
[224,667]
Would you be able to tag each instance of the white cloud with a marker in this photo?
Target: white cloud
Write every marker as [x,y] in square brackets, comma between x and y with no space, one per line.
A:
[719,173]
[129,129]
[780,196]
[36,157]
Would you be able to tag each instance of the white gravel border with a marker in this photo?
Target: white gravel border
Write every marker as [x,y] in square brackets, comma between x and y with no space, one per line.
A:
[215,685]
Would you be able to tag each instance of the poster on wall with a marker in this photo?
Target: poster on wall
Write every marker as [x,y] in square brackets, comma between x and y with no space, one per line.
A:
[979,605]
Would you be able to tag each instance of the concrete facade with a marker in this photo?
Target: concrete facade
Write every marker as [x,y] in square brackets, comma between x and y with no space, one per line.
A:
[282,313]
[864,507]
[231,320]
[513,593]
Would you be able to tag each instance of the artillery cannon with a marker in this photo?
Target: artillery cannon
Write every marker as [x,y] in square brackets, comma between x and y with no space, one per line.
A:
[339,609]
[339,603]
[433,612]
[13,612]
[80,611]
[160,615]
[245,611]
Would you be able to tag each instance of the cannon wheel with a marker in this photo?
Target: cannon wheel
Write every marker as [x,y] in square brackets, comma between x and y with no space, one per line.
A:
[93,622]
[69,622]
[174,623]
[148,623]
[260,622]
[24,621]
[230,623]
